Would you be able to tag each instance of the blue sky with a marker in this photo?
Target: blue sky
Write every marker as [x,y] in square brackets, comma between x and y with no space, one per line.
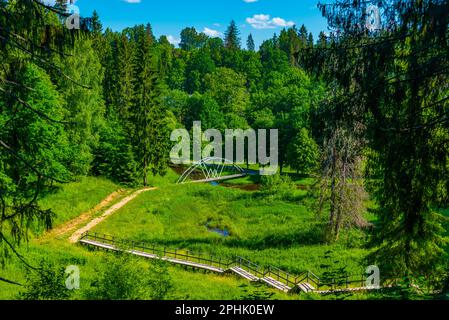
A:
[262,18]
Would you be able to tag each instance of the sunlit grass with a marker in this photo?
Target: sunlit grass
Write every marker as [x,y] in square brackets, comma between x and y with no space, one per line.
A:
[285,234]
[270,231]
[70,200]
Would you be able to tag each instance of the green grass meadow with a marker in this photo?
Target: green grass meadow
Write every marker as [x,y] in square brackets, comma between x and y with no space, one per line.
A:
[267,229]
[70,200]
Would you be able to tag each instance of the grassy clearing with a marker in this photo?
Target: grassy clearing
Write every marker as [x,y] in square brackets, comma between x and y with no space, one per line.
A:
[188,284]
[70,200]
[269,231]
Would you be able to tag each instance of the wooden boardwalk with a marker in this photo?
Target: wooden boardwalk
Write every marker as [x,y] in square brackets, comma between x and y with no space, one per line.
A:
[306,282]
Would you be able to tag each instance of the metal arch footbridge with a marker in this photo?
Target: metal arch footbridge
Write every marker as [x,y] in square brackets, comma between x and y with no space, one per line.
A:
[213,169]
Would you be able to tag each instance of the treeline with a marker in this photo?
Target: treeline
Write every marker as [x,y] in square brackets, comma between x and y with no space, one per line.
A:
[93,101]
[121,93]
[207,79]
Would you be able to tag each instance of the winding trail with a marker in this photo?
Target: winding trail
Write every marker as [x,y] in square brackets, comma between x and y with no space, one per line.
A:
[77,235]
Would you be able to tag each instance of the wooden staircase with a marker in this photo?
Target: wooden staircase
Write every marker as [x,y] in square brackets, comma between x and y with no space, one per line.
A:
[272,282]
[306,282]
[306,287]
[241,267]
[244,274]
[276,284]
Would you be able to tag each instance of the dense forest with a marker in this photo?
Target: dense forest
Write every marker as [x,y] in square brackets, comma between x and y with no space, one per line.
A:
[365,111]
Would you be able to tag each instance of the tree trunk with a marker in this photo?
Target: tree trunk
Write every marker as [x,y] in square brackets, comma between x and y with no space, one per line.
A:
[333,191]
[145,173]
[337,225]
[342,200]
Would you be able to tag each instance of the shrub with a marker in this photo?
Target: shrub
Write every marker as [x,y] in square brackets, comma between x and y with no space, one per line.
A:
[121,277]
[45,283]
[277,186]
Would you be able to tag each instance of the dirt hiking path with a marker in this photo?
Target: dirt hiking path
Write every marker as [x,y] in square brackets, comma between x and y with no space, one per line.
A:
[77,235]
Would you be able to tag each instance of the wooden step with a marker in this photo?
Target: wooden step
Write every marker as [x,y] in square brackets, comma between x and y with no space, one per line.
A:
[98,244]
[143,254]
[306,287]
[245,274]
[342,290]
[194,265]
[276,284]
[153,256]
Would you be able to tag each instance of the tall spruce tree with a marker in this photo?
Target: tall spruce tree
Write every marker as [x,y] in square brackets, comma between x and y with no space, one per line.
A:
[96,25]
[150,131]
[109,58]
[250,43]
[232,37]
[85,106]
[125,69]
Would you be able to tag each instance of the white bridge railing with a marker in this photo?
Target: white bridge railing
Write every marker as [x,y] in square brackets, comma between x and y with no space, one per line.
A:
[213,169]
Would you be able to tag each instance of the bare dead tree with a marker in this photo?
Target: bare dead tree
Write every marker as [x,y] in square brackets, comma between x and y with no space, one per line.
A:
[341,181]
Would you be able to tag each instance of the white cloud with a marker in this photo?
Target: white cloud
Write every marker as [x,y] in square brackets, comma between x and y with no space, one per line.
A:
[133,1]
[173,40]
[264,21]
[282,23]
[211,32]
[250,1]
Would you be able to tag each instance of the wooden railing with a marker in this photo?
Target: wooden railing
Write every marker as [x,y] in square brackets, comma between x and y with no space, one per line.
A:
[310,278]
[249,266]
[225,264]
[142,247]
[281,276]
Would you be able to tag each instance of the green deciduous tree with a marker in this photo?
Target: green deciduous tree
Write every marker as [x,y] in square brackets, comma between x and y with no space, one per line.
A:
[303,153]
[272,57]
[84,105]
[114,156]
[191,39]
[205,109]
[200,64]
[228,88]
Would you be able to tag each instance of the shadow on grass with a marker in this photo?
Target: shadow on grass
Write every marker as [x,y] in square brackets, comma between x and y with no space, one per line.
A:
[261,195]
[312,236]
[50,190]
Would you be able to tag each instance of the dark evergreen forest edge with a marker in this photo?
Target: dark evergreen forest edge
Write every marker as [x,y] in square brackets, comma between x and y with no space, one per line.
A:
[363,119]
